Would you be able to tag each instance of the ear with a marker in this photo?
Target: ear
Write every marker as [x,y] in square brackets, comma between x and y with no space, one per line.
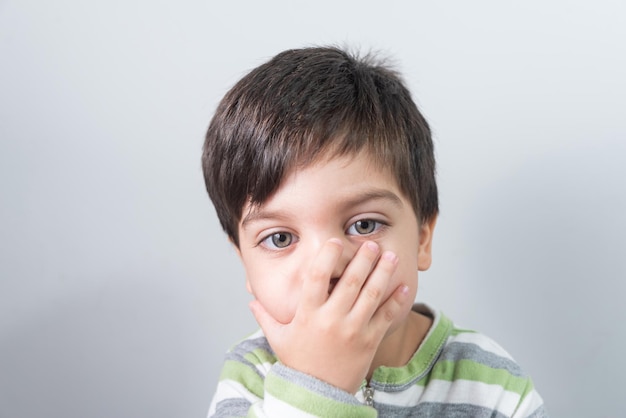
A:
[424,252]
[238,251]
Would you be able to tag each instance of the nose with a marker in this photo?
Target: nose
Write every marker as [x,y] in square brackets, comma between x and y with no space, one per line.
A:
[349,249]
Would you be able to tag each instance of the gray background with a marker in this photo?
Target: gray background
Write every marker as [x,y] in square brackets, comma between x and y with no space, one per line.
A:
[118,291]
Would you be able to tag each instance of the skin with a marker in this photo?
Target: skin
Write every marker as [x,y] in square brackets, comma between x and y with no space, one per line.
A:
[331,259]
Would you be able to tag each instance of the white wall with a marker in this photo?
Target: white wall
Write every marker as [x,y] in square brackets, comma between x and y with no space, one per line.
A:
[118,290]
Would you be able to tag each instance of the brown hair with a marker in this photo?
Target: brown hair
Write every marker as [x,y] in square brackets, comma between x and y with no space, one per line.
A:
[305,104]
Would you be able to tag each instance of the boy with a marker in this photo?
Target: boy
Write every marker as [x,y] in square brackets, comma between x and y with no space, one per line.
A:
[322,173]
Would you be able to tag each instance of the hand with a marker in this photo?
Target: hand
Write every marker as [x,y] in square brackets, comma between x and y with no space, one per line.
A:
[334,337]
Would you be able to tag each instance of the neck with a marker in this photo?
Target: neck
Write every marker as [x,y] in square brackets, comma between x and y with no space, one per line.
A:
[398,348]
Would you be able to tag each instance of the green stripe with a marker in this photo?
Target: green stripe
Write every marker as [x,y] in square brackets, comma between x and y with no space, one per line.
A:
[422,359]
[311,402]
[243,374]
[470,370]
[529,388]
[259,356]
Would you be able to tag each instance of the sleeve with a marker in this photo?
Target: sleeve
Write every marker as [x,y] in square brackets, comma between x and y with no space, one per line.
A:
[244,390]
[530,405]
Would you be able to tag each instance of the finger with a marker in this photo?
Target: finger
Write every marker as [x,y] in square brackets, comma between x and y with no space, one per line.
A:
[374,289]
[316,282]
[268,324]
[389,310]
[354,276]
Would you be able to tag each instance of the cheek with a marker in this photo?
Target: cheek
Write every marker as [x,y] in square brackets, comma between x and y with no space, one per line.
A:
[406,250]
[406,271]
[277,290]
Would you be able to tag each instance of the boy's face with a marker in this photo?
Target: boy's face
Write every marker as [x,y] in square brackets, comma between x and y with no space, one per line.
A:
[347,198]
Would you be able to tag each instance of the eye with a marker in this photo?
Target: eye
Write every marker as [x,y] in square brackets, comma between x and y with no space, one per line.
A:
[278,240]
[364,227]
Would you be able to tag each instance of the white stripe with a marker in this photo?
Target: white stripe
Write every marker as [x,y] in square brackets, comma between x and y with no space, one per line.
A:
[231,389]
[407,398]
[531,402]
[482,341]
[459,391]
[493,397]
[263,368]
[274,407]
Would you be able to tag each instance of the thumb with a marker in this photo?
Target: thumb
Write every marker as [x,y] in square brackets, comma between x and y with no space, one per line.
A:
[267,322]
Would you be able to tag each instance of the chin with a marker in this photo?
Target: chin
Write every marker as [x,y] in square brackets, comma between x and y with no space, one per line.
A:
[399,321]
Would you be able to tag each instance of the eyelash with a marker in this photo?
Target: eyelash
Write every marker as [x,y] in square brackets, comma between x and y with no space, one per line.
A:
[268,242]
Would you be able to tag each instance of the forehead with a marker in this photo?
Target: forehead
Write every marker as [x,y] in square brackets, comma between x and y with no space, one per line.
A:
[337,183]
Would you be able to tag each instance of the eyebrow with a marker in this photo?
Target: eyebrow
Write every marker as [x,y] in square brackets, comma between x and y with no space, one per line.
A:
[255,215]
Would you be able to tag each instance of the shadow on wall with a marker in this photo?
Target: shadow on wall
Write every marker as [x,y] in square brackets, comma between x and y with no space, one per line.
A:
[559,271]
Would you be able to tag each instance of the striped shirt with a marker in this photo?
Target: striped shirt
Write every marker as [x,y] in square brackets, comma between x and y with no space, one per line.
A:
[454,373]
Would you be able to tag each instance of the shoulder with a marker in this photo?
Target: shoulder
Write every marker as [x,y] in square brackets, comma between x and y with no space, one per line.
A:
[242,378]
[253,347]
[461,347]
[254,351]
[464,345]
[482,373]
[248,362]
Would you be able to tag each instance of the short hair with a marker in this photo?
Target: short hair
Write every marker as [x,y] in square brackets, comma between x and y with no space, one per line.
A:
[307,104]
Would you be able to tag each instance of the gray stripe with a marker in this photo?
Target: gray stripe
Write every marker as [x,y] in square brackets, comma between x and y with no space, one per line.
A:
[436,409]
[456,351]
[245,347]
[313,384]
[234,407]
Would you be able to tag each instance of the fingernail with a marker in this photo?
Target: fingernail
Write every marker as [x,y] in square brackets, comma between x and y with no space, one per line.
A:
[404,290]
[391,257]
[372,246]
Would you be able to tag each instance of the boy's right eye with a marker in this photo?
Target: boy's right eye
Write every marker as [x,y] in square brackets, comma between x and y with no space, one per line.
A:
[278,240]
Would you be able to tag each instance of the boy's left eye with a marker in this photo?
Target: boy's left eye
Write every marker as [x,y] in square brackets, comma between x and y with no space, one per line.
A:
[364,227]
